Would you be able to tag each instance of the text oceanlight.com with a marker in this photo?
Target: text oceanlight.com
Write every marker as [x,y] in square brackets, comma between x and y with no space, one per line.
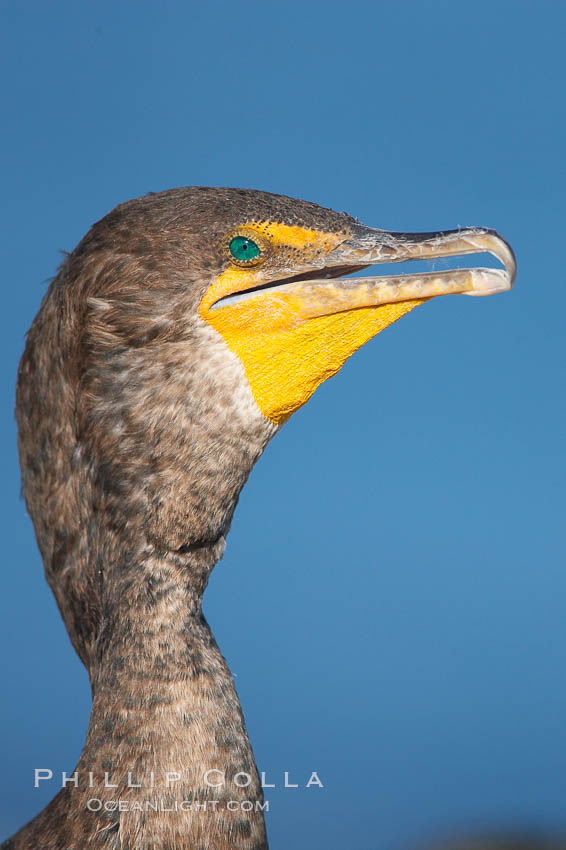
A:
[161,805]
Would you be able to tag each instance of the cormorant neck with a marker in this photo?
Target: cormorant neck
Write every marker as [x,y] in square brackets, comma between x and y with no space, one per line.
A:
[166,735]
[133,460]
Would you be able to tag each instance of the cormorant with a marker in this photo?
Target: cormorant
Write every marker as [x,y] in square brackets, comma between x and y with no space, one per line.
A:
[182,332]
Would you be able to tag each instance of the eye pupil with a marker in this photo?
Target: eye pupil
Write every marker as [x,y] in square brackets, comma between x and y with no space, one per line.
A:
[243,248]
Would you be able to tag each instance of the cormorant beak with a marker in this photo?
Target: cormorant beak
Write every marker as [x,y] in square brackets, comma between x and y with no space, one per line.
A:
[324,292]
[369,246]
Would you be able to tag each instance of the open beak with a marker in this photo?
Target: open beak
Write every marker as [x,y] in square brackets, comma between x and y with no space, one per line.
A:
[367,246]
[323,292]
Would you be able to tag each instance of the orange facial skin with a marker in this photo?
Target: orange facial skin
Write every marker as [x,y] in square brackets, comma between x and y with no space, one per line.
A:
[286,347]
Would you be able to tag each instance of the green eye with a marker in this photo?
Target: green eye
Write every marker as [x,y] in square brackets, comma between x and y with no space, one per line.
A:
[243,249]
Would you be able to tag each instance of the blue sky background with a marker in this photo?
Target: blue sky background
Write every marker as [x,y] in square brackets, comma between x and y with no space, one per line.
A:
[392,600]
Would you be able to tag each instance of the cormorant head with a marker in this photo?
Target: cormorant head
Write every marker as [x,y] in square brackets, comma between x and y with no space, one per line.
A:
[266,272]
[186,327]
